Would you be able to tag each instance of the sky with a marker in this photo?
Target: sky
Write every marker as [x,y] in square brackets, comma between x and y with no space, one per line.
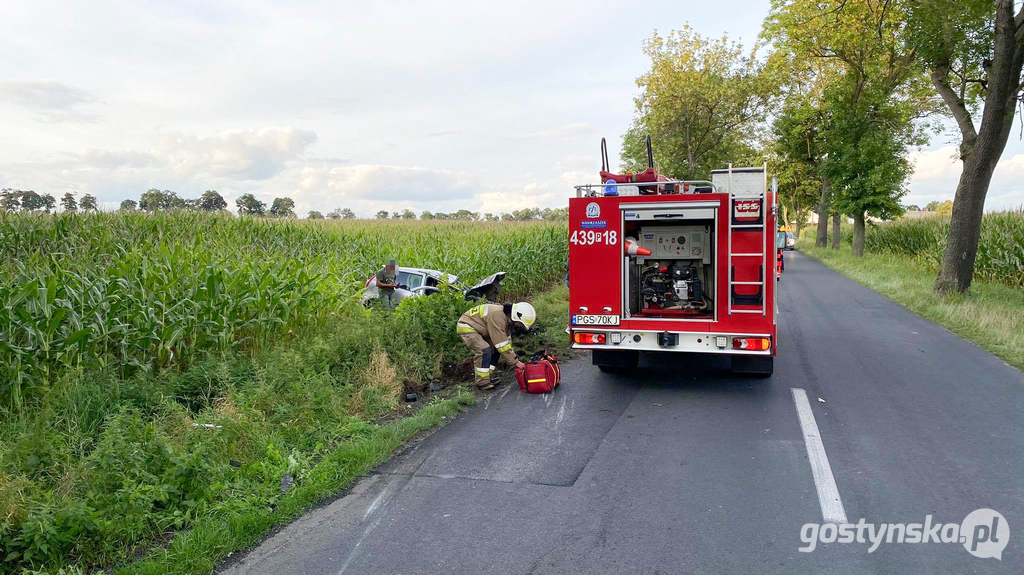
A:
[425,105]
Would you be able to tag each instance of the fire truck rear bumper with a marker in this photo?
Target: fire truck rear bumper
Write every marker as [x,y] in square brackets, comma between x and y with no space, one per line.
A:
[687,342]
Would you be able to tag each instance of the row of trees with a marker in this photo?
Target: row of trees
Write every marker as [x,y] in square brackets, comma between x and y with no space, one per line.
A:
[154,200]
[526,214]
[944,208]
[12,200]
[843,91]
[523,215]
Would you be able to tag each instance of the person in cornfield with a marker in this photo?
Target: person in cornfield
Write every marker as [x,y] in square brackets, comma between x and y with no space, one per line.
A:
[487,330]
[387,281]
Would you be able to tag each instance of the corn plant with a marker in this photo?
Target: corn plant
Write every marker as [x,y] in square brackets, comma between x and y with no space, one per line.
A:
[152,292]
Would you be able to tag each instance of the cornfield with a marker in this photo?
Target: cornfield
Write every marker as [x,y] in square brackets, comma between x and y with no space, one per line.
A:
[142,292]
[1000,251]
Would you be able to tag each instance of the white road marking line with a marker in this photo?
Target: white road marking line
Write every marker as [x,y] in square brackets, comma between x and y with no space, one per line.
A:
[561,412]
[828,494]
[373,506]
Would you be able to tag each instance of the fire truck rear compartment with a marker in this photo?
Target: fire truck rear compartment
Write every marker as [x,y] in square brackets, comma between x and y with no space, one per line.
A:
[678,279]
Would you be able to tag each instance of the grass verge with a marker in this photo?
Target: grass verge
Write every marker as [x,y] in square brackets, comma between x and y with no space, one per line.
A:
[200,548]
[990,315]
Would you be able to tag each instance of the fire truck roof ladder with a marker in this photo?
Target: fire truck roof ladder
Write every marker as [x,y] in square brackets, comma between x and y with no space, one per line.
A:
[763,254]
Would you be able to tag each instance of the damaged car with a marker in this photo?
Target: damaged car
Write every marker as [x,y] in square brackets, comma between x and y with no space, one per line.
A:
[415,282]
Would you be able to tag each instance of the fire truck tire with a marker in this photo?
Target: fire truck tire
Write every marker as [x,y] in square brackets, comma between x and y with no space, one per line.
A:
[758,366]
[614,361]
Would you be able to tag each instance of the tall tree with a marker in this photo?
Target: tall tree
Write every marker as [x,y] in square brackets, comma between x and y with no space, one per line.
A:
[68,202]
[408,214]
[211,201]
[154,200]
[10,199]
[797,161]
[348,214]
[314,215]
[88,203]
[129,206]
[878,89]
[49,202]
[973,51]
[248,205]
[867,141]
[382,215]
[701,102]
[31,201]
[282,208]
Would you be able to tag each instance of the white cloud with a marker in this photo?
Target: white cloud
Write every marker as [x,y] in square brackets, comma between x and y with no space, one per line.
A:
[54,101]
[580,129]
[111,159]
[249,155]
[937,173]
[411,185]
[942,163]
[237,154]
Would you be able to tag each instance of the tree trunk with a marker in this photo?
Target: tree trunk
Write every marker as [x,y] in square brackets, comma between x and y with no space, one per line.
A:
[836,231]
[957,269]
[980,151]
[823,209]
[858,234]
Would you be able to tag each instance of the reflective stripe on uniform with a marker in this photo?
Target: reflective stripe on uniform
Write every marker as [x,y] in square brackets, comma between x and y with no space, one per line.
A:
[483,370]
[503,346]
[463,328]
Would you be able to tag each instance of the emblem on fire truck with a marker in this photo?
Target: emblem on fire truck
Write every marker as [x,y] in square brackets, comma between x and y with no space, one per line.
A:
[593,210]
[747,208]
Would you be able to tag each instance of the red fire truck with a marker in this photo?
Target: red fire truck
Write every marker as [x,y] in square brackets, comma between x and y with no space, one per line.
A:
[659,265]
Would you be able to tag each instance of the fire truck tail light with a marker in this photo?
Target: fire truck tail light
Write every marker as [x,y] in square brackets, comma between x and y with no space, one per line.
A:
[721,341]
[588,338]
[752,343]
[615,337]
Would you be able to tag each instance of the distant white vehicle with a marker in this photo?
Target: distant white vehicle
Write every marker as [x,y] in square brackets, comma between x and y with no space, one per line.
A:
[414,282]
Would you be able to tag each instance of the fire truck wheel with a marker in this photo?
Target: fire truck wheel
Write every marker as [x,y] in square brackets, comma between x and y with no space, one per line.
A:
[615,361]
[758,366]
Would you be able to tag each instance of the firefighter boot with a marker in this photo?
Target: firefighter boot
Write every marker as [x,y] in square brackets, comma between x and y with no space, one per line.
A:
[482,368]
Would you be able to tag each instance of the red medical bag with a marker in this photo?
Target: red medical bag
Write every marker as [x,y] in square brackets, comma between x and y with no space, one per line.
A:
[541,374]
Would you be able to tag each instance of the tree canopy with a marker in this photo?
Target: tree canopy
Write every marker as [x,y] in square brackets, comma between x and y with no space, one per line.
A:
[702,102]
[248,205]
[283,208]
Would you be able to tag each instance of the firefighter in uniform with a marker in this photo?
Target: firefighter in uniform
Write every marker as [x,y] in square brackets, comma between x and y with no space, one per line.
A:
[487,330]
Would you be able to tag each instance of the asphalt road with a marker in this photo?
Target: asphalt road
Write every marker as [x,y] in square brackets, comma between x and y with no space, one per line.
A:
[683,467]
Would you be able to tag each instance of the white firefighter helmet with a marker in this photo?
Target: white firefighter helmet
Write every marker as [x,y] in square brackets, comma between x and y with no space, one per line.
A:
[524,313]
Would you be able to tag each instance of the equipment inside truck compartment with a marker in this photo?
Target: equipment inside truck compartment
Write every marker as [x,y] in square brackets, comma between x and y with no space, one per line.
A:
[677,279]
